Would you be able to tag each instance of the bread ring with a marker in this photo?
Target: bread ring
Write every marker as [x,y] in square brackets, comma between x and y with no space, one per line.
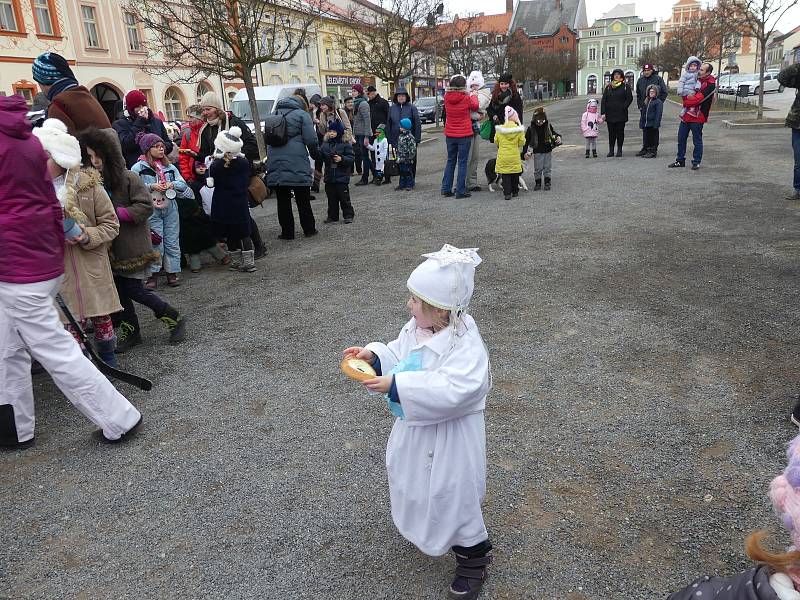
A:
[358,369]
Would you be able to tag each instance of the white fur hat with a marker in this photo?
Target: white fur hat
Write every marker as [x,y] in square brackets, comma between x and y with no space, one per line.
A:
[475,78]
[228,141]
[63,148]
[446,280]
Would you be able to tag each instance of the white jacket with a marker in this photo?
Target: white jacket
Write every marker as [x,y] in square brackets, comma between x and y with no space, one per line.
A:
[381,150]
[436,455]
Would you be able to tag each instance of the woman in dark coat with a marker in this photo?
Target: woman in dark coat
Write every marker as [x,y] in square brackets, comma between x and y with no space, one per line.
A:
[617,97]
[504,94]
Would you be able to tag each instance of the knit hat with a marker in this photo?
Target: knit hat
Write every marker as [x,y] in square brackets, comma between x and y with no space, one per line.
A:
[195,111]
[458,81]
[447,278]
[328,101]
[133,100]
[147,141]
[506,78]
[372,88]
[50,67]
[63,148]
[199,164]
[475,78]
[358,87]
[511,114]
[615,71]
[229,142]
[648,67]
[784,491]
[405,123]
[336,125]
[211,99]
[315,99]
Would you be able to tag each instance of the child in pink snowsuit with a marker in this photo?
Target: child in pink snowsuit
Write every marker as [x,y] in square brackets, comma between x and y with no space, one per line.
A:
[589,122]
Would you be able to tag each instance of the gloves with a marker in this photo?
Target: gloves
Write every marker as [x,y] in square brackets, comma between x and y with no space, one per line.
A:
[123,215]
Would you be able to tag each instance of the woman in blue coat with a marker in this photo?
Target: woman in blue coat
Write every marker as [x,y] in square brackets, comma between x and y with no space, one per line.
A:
[650,121]
[289,170]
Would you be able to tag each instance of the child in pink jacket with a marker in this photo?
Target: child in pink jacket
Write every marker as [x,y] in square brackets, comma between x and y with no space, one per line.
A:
[589,122]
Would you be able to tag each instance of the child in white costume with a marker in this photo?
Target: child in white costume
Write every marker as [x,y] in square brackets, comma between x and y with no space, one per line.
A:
[436,376]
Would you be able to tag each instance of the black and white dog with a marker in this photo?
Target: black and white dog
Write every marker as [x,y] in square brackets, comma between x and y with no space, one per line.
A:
[494,178]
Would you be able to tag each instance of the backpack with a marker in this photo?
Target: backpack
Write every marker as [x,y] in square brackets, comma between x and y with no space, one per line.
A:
[276,132]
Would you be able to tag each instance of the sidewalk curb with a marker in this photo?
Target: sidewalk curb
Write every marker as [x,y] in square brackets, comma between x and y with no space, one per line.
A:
[735,125]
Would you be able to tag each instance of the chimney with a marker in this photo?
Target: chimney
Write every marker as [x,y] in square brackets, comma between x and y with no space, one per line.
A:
[558,4]
[509,6]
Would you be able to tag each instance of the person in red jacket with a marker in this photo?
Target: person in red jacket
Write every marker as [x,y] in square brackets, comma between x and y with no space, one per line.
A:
[458,103]
[32,246]
[190,142]
[698,106]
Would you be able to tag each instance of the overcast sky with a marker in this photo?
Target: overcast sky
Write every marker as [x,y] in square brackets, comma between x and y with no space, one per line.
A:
[650,9]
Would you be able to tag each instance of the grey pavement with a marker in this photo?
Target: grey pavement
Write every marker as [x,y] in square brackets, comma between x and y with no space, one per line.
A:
[643,329]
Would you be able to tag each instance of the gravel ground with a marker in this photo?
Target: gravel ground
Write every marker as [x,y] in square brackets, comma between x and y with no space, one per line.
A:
[643,328]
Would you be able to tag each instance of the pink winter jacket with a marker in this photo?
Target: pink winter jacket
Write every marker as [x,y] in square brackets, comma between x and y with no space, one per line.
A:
[31,230]
[589,123]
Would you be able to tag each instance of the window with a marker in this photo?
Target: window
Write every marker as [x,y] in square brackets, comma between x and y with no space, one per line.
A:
[629,51]
[10,19]
[327,58]
[645,46]
[469,41]
[134,43]
[168,41]
[202,89]
[639,29]
[90,26]
[309,56]
[455,44]
[498,39]
[43,15]
[592,54]
[27,92]
[612,52]
[591,84]
[594,33]
[563,39]
[173,105]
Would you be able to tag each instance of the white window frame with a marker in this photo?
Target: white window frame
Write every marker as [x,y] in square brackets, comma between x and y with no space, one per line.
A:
[630,50]
[611,53]
[90,28]
[10,13]
[43,7]
[132,32]
[592,54]
[173,106]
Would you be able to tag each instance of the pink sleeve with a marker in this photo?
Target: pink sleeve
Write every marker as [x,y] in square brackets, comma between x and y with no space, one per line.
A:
[123,215]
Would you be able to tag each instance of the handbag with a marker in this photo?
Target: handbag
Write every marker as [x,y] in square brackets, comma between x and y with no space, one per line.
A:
[486,129]
[390,166]
[257,192]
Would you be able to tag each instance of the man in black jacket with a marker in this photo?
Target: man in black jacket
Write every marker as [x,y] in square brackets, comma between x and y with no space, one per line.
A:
[649,77]
[379,115]
[138,118]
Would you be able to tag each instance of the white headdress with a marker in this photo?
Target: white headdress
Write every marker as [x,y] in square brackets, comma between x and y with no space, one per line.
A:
[446,280]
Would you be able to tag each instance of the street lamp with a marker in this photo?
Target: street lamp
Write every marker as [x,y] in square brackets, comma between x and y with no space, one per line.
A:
[432,19]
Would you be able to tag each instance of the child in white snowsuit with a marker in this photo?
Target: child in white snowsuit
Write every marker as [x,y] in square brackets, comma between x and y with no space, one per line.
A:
[435,377]
[381,149]
[589,127]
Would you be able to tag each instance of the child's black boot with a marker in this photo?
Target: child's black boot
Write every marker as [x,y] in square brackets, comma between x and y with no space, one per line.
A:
[471,571]
[594,153]
[176,324]
[538,185]
[546,184]
[129,335]
[587,154]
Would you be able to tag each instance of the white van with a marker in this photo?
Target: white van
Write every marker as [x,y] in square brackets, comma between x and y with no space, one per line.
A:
[267,97]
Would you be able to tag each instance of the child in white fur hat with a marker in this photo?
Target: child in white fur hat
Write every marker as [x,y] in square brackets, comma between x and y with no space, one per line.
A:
[475,83]
[229,176]
[435,377]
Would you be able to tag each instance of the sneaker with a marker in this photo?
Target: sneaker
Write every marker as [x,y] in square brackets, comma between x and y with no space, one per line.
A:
[329,220]
[447,194]
[151,283]
[100,437]
[128,336]
[695,167]
[676,164]
[173,280]
[460,196]
[348,221]
[176,328]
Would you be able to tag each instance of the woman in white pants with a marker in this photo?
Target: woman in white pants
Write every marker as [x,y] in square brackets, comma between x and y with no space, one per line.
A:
[32,244]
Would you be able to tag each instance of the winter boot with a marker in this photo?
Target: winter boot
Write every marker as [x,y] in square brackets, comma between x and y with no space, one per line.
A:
[594,153]
[676,164]
[8,430]
[129,336]
[651,153]
[546,184]
[248,262]
[176,324]
[619,151]
[471,574]
[236,260]
[377,180]
[105,349]
[587,154]
[643,151]
[538,185]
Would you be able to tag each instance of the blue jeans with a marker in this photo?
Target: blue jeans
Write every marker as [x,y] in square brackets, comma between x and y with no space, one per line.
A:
[166,223]
[697,140]
[457,151]
[796,148]
[366,163]
[406,176]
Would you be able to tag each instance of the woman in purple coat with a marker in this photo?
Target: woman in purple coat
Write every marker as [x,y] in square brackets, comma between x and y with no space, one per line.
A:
[32,246]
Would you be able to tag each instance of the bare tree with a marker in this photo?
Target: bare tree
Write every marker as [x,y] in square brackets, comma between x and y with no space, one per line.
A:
[728,28]
[387,40]
[459,41]
[698,38]
[762,17]
[526,60]
[190,40]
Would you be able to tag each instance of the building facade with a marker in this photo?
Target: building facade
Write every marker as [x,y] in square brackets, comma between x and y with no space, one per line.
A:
[781,50]
[614,41]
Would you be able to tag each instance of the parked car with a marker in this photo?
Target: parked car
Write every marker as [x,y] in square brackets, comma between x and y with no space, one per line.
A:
[267,97]
[771,83]
[728,83]
[427,109]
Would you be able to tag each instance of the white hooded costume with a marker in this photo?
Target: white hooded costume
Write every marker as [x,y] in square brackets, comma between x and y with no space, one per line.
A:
[436,454]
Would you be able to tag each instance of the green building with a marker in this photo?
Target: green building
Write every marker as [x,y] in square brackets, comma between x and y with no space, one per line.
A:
[614,41]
